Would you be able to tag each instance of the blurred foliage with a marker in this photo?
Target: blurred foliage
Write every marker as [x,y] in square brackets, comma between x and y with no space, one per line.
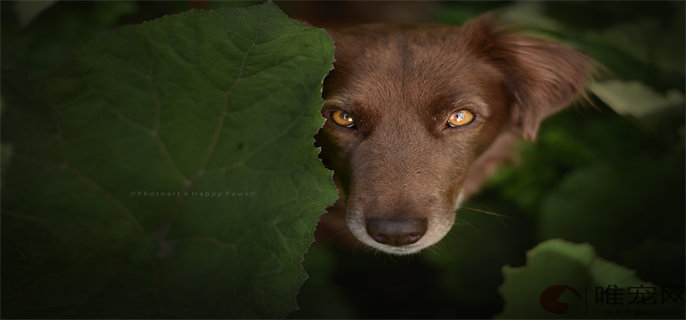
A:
[559,262]
[57,33]
[609,173]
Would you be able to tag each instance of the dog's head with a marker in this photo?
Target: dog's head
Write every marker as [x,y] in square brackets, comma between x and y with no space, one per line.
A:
[412,109]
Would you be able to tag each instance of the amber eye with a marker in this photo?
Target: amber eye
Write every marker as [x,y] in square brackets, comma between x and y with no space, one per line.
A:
[342,118]
[460,118]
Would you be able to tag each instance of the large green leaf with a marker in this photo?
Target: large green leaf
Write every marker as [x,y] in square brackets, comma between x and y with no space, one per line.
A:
[168,170]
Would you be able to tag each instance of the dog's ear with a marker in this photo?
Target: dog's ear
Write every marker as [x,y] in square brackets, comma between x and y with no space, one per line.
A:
[543,76]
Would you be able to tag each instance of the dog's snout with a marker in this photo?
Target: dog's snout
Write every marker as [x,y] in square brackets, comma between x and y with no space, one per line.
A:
[396,232]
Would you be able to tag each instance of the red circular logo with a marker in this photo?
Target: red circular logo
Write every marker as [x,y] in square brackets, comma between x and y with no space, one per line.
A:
[550,299]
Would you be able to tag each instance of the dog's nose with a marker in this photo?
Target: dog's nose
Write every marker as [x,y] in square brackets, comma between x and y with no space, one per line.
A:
[396,232]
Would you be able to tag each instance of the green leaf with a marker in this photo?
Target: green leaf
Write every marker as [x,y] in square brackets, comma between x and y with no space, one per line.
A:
[168,170]
[575,269]
[635,98]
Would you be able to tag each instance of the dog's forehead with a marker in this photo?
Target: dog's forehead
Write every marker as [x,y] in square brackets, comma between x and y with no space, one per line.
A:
[399,51]
[406,67]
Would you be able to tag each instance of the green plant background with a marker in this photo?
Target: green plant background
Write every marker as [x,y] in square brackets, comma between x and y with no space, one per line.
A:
[610,175]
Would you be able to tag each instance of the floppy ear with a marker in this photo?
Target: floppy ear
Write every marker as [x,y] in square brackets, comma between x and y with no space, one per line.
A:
[542,76]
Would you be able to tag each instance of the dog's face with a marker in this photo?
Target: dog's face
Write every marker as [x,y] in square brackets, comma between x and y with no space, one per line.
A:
[410,109]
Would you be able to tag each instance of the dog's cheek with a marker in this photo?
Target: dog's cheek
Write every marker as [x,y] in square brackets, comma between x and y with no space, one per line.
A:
[455,162]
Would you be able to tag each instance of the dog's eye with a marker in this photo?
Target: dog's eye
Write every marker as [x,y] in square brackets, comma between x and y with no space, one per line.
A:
[342,118]
[460,118]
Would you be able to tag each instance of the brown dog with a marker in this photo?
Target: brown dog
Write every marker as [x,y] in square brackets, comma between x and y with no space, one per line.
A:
[417,115]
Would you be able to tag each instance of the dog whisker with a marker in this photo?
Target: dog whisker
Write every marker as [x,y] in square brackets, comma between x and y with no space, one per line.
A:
[498,216]
[465,222]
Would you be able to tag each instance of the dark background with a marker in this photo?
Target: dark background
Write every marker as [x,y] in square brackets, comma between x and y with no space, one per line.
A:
[597,174]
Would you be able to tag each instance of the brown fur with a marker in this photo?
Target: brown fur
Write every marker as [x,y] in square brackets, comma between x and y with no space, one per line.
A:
[401,83]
